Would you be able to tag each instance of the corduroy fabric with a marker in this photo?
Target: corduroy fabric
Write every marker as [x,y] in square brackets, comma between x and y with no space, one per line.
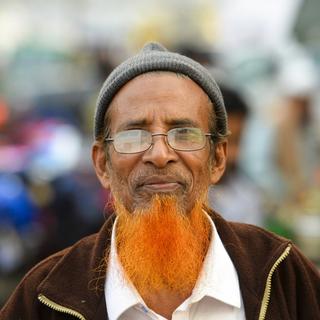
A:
[154,57]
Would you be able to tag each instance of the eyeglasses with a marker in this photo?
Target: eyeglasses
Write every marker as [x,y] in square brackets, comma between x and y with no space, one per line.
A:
[180,139]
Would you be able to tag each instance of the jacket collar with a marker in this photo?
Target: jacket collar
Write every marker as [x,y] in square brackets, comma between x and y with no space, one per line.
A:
[253,252]
[77,280]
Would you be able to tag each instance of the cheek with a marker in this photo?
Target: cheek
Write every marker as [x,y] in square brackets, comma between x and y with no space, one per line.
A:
[121,167]
[199,165]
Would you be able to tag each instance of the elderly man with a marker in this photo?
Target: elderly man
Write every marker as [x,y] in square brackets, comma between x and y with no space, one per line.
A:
[160,142]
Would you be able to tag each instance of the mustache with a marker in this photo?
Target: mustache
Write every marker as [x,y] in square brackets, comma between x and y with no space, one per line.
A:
[166,174]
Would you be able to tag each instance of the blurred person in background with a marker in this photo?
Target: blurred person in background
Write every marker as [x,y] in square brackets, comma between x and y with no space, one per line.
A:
[296,141]
[43,143]
[160,142]
[297,152]
[236,195]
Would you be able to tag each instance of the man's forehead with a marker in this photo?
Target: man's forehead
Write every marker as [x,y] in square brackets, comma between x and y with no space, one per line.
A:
[155,97]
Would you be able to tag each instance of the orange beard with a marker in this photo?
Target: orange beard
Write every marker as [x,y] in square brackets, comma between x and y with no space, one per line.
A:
[162,249]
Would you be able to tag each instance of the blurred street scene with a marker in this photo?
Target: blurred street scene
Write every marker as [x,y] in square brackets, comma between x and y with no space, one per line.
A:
[54,57]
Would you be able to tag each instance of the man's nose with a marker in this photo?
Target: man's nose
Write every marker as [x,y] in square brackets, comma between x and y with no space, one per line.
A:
[160,153]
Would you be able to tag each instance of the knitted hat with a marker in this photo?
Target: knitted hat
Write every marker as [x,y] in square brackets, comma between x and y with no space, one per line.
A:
[154,57]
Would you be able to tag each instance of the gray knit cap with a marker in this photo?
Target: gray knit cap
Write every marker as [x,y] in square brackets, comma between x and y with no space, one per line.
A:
[154,57]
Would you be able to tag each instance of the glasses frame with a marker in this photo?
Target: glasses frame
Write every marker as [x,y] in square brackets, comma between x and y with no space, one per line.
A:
[166,138]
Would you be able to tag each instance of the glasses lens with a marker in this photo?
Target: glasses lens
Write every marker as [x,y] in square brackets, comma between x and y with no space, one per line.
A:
[186,139]
[132,141]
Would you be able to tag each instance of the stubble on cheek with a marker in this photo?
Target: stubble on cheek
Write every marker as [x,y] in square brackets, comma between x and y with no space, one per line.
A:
[133,195]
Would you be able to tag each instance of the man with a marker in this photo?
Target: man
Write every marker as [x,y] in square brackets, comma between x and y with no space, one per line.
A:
[160,141]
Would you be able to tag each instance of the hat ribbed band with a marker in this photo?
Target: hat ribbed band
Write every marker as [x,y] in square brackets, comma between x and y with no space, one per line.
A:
[152,59]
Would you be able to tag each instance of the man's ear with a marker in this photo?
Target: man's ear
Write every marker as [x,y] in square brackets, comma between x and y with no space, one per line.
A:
[99,159]
[219,162]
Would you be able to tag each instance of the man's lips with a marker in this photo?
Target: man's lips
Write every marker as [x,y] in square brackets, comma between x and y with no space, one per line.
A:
[160,184]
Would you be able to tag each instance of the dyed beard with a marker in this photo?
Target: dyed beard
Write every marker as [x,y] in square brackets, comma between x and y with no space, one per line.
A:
[162,249]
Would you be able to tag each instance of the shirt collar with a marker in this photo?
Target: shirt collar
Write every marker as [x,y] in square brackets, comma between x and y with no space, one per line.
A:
[120,294]
[218,279]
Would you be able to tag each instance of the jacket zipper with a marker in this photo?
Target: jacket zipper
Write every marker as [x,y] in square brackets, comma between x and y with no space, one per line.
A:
[49,303]
[267,290]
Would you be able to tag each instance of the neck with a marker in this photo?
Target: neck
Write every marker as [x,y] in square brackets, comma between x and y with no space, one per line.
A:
[165,303]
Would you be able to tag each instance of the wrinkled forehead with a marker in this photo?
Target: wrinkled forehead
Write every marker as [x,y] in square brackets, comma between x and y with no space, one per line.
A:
[160,96]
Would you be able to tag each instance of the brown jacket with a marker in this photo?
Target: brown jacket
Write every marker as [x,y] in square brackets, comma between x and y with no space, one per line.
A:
[276,281]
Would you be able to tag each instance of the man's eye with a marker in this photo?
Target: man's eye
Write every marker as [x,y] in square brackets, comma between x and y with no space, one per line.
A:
[184,130]
[188,132]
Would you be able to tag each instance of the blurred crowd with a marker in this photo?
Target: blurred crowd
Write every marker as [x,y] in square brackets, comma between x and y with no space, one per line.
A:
[49,196]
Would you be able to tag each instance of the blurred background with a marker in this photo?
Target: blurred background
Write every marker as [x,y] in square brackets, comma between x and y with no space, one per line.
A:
[54,57]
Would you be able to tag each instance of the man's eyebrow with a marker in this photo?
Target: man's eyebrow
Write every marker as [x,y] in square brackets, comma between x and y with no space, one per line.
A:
[133,123]
[182,122]
[170,122]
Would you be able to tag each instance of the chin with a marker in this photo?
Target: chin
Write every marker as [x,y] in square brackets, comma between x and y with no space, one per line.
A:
[145,200]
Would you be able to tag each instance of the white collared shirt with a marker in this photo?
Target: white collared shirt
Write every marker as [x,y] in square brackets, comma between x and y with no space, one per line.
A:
[216,294]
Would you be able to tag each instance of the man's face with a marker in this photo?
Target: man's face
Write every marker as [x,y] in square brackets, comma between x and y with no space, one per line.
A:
[158,102]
